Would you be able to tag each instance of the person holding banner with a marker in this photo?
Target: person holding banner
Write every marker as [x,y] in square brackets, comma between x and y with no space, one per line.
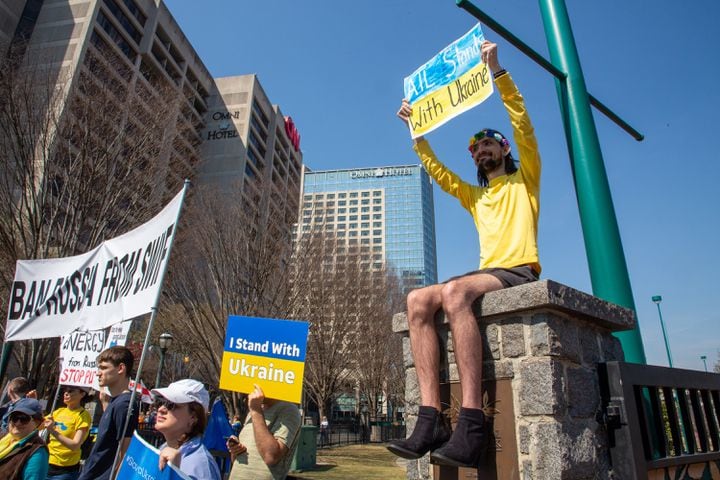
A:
[182,410]
[23,454]
[505,209]
[67,428]
[265,446]
[114,367]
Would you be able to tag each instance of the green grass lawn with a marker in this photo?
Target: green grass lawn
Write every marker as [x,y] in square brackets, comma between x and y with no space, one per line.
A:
[370,461]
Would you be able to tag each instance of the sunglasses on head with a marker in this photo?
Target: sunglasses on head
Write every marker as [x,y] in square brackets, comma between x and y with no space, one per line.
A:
[164,402]
[20,418]
[487,133]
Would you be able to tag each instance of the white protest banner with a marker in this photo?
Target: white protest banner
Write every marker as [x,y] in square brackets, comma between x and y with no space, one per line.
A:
[118,334]
[118,280]
[450,83]
[79,351]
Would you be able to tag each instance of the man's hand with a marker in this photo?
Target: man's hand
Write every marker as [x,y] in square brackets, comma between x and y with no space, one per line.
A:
[489,56]
[235,447]
[255,399]
[405,111]
[31,394]
[171,455]
[404,115]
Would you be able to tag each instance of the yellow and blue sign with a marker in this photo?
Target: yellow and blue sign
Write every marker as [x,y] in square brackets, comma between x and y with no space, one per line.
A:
[264,351]
[450,83]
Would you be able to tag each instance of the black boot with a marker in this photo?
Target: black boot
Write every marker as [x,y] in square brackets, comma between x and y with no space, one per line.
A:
[431,431]
[468,443]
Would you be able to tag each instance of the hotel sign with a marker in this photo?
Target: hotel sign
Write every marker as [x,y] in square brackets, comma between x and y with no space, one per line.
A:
[381,172]
[223,129]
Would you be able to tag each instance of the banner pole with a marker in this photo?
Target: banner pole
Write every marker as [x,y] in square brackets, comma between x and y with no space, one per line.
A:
[44,433]
[151,322]
[4,361]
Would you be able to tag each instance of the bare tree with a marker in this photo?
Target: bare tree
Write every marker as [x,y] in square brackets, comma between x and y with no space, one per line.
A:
[228,262]
[323,293]
[349,302]
[377,352]
[84,158]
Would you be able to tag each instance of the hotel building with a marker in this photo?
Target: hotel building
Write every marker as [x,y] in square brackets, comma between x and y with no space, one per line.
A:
[225,131]
[384,214]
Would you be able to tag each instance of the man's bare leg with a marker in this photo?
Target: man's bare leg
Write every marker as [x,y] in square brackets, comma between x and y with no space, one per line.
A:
[431,429]
[422,305]
[469,439]
[457,298]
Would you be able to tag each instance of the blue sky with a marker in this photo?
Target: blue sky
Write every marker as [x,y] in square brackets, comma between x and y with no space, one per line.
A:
[337,68]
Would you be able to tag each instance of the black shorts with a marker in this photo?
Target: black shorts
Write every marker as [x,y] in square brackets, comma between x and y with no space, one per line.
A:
[510,277]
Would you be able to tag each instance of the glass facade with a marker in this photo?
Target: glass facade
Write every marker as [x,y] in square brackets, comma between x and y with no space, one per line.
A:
[387,212]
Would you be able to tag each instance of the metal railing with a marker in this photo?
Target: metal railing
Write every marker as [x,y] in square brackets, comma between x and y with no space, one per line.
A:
[660,419]
[358,433]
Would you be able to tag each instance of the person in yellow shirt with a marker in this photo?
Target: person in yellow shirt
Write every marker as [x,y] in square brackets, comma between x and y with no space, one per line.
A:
[67,428]
[505,208]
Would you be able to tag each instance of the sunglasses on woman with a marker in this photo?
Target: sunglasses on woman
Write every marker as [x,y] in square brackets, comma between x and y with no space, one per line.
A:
[164,402]
[20,418]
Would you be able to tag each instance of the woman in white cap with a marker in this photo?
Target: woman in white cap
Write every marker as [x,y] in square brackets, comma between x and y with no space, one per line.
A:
[182,417]
[23,454]
[68,428]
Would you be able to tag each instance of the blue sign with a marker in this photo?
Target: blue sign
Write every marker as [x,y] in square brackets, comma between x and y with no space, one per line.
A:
[141,461]
[451,63]
[266,352]
[266,337]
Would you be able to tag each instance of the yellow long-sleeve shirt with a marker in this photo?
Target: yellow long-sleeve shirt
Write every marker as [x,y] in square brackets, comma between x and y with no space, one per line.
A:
[506,211]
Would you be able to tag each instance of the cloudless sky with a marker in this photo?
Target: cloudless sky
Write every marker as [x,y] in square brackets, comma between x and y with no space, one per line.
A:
[337,68]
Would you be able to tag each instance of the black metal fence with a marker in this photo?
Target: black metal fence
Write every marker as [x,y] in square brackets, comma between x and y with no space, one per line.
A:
[356,433]
[661,421]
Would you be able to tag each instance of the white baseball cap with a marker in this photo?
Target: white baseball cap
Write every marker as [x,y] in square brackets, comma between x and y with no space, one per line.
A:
[185,391]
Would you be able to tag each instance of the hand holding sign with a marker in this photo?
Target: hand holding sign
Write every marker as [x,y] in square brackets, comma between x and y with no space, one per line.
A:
[488,53]
[267,352]
[450,83]
[255,399]
[169,455]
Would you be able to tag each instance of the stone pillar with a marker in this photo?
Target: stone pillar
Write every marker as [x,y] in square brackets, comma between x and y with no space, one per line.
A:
[541,345]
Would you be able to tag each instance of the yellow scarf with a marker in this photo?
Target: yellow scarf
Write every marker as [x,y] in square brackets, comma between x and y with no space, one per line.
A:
[8,443]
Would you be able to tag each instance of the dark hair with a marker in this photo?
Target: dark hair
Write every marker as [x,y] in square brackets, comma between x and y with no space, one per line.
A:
[198,428]
[510,167]
[19,386]
[85,397]
[117,355]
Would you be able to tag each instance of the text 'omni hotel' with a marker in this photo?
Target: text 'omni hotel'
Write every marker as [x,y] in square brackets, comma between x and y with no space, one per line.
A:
[225,131]
[382,214]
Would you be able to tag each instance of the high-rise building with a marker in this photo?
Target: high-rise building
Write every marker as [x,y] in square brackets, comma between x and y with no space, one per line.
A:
[384,214]
[250,148]
[225,130]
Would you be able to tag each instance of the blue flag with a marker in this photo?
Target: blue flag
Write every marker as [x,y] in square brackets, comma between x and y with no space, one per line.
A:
[218,428]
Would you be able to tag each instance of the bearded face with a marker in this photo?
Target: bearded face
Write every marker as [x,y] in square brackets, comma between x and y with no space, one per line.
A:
[488,155]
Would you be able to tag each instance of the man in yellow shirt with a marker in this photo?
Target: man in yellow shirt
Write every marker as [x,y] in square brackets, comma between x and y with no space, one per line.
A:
[505,209]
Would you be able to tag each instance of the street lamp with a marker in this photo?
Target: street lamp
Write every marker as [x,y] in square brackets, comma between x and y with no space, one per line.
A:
[656,300]
[164,343]
[704,359]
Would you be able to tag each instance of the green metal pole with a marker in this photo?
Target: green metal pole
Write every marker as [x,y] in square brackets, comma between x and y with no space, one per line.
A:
[606,260]
[656,300]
